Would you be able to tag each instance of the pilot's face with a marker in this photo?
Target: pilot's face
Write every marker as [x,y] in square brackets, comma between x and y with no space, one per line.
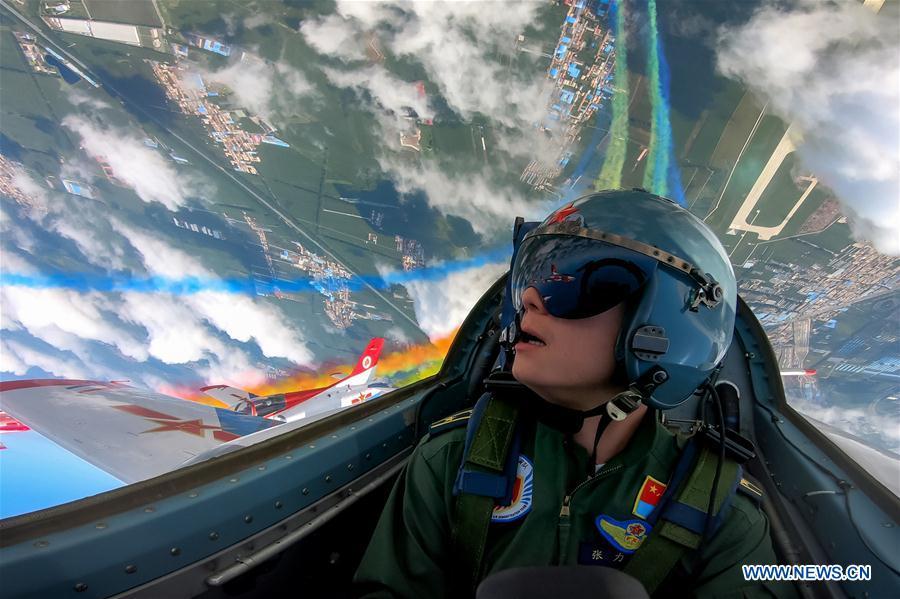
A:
[574,366]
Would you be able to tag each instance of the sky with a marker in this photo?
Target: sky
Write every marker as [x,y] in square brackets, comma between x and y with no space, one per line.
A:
[215,336]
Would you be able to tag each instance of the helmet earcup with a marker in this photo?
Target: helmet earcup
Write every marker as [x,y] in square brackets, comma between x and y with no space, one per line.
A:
[697,340]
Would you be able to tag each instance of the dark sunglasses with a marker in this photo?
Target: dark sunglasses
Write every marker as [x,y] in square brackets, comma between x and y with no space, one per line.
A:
[578,277]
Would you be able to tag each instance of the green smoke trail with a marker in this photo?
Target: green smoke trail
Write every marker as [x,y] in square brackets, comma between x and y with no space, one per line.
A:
[657,166]
[611,173]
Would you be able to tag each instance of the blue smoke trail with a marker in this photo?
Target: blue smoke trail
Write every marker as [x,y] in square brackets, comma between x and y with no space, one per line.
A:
[676,188]
[661,175]
[85,282]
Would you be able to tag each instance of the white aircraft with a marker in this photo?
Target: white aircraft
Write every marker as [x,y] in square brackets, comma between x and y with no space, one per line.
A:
[295,405]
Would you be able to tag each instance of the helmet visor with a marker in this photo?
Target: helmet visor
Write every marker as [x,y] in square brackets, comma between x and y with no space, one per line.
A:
[578,277]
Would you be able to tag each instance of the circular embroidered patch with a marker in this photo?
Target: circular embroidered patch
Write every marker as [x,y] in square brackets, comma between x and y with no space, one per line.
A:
[521,496]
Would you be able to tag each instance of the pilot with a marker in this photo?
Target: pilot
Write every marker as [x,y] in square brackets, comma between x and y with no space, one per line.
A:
[624,306]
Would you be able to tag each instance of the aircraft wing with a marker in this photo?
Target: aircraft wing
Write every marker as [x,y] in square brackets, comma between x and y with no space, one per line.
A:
[129,433]
[230,396]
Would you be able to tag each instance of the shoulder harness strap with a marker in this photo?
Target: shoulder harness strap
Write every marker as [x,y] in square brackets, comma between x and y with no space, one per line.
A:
[680,518]
[485,478]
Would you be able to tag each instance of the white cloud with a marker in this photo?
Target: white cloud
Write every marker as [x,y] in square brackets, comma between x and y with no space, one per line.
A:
[79,97]
[153,178]
[244,319]
[17,358]
[461,45]
[472,196]
[857,422]
[264,88]
[10,360]
[87,224]
[387,91]
[204,330]
[81,220]
[196,330]
[332,35]
[37,195]
[397,335]
[241,318]
[39,311]
[833,70]
[161,258]
[258,20]
[11,234]
[441,305]
[465,50]
[231,22]
[12,262]
[174,333]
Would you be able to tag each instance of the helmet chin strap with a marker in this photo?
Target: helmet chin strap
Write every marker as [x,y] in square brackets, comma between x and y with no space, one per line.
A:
[619,408]
[563,419]
[568,420]
[511,335]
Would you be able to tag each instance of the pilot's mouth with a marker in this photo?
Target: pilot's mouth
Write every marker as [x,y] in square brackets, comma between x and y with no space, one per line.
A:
[531,339]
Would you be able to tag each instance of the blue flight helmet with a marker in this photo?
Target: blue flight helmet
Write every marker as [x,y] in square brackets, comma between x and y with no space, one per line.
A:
[662,261]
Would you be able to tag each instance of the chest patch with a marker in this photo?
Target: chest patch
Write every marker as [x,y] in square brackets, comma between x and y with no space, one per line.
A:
[651,492]
[523,490]
[624,535]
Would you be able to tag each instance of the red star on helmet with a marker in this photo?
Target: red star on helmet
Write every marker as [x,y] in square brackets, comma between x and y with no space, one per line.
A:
[563,213]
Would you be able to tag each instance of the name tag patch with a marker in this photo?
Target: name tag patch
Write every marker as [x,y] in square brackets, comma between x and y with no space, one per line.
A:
[523,490]
[601,554]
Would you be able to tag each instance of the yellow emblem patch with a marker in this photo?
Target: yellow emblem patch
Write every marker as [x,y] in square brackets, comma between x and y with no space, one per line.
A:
[624,535]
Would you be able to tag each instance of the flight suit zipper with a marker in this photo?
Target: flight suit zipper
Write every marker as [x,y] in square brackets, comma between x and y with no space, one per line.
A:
[562,531]
[564,524]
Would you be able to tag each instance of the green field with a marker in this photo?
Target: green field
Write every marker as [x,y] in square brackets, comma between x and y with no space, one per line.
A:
[780,196]
[11,56]
[20,93]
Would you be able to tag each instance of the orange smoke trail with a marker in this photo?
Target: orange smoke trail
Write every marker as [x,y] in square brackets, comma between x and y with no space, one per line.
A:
[427,357]
[190,394]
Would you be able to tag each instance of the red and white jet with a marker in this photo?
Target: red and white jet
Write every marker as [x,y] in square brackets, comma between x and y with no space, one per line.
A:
[295,405]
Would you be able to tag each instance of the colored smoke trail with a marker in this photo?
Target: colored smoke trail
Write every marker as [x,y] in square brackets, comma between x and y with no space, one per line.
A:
[416,362]
[85,282]
[676,188]
[656,158]
[389,364]
[111,283]
[611,173]
[661,174]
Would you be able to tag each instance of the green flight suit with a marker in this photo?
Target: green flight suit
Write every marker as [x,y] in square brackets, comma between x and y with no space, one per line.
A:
[411,554]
